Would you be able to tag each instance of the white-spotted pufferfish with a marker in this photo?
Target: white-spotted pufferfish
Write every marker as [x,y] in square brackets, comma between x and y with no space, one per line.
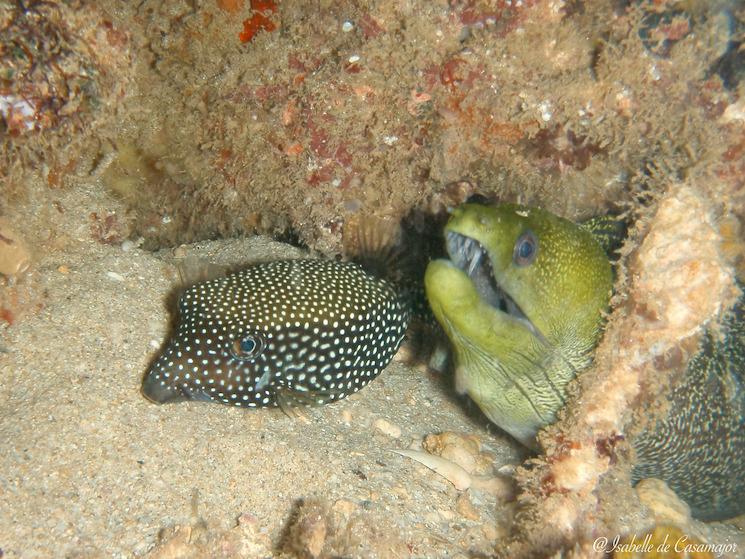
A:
[286,332]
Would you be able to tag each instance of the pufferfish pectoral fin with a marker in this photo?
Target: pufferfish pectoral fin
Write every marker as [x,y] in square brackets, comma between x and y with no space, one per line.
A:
[289,398]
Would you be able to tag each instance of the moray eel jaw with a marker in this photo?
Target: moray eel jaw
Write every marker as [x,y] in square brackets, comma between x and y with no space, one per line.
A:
[469,321]
[471,258]
[521,300]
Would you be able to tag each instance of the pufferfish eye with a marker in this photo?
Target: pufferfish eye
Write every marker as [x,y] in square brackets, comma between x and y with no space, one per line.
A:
[526,249]
[247,347]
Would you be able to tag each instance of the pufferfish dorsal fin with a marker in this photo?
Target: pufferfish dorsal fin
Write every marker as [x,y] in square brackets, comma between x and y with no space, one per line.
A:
[193,269]
[375,244]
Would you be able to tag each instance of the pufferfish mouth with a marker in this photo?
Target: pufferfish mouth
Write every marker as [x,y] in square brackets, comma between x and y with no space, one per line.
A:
[472,259]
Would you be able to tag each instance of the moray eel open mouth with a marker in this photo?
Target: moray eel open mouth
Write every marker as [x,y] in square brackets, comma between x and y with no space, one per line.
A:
[471,257]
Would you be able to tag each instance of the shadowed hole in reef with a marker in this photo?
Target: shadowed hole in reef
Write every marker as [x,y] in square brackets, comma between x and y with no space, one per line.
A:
[731,65]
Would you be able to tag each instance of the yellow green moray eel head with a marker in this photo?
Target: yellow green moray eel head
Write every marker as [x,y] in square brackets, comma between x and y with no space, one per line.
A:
[522,299]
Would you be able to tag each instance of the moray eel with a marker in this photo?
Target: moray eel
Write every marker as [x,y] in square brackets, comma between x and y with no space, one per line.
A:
[286,332]
[522,299]
[698,448]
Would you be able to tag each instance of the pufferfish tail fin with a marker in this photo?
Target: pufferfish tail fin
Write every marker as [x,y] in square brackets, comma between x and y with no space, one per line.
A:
[375,243]
[398,254]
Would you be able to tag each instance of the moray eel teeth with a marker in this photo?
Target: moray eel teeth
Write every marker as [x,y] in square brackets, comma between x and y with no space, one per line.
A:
[470,256]
[521,298]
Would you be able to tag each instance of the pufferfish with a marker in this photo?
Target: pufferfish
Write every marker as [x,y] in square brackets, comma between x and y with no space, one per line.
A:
[522,300]
[289,332]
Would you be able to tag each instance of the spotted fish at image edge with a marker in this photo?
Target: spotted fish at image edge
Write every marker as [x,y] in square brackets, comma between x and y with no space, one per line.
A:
[288,332]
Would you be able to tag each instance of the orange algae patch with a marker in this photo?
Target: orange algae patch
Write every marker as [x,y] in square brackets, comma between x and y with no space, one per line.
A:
[7,316]
[264,6]
[230,6]
[254,24]
[294,149]
[258,21]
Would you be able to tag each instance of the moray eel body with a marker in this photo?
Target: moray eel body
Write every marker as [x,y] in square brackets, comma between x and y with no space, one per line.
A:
[522,299]
[286,332]
[699,447]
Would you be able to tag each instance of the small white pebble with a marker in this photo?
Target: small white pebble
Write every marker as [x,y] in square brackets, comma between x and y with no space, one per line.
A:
[354,58]
[545,108]
[347,26]
[346,416]
[446,514]
[655,72]
[507,469]
[735,111]
[387,428]
[390,140]
[114,276]
[128,245]
[155,344]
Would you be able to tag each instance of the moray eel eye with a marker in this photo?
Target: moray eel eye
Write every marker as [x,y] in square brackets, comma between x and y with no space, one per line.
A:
[248,347]
[526,249]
